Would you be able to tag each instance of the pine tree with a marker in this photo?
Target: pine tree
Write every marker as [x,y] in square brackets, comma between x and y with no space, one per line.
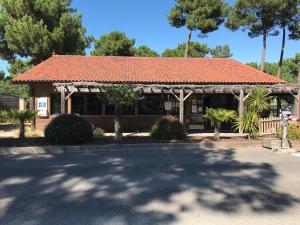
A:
[197,15]
[145,51]
[221,51]
[35,29]
[287,17]
[114,44]
[197,50]
[258,17]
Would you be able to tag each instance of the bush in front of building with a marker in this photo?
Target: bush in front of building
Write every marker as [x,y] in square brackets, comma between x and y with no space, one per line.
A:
[68,129]
[168,128]
[293,132]
[98,132]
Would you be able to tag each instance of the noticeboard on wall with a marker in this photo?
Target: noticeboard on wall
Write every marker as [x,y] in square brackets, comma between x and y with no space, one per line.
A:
[168,106]
[42,106]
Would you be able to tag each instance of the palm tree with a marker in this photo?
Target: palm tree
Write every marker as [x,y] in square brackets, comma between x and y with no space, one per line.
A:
[259,100]
[248,123]
[119,95]
[217,117]
[21,116]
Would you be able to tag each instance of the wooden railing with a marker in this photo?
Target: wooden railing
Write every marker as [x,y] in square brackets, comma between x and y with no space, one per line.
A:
[269,125]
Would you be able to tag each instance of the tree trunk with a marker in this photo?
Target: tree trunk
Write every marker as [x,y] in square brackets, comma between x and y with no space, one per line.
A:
[187,46]
[217,132]
[282,52]
[263,58]
[22,131]
[118,127]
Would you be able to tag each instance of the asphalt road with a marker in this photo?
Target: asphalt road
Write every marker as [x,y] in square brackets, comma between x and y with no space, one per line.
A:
[178,186]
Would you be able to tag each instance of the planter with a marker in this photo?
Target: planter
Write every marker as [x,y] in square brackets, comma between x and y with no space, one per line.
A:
[275,143]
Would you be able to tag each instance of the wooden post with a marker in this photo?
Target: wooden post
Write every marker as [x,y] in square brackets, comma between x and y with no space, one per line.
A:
[136,108]
[32,106]
[297,100]
[278,101]
[103,107]
[62,101]
[69,105]
[241,107]
[181,106]
[297,105]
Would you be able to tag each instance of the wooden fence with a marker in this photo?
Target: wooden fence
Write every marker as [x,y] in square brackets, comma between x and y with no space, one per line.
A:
[269,125]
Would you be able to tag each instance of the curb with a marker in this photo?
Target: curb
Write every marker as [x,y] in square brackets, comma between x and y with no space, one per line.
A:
[101,148]
[113,147]
[95,148]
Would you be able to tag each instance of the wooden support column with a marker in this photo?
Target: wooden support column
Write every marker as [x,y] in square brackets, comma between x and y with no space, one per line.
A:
[181,106]
[241,106]
[297,105]
[103,107]
[62,101]
[69,105]
[136,108]
[241,102]
[278,101]
[32,106]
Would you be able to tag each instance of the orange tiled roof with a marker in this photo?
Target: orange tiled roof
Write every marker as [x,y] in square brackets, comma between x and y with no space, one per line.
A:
[144,70]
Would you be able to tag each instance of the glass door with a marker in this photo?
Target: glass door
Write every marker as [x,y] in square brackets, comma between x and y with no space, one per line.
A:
[196,113]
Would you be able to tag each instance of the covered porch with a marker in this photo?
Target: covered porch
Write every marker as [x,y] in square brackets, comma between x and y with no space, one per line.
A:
[187,102]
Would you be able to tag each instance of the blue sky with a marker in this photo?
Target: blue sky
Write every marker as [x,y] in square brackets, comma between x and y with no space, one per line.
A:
[146,21]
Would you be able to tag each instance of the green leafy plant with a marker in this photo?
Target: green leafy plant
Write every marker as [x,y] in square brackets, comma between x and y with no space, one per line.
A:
[98,132]
[257,103]
[293,132]
[21,116]
[4,117]
[217,117]
[168,128]
[259,100]
[248,123]
[68,129]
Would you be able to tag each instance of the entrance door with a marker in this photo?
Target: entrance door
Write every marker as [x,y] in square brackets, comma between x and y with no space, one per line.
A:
[196,113]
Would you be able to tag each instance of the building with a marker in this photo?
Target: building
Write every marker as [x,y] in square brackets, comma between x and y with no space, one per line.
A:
[11,102]
[178,86]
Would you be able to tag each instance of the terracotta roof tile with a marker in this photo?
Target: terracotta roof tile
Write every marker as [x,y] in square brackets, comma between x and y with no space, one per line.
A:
[144,70]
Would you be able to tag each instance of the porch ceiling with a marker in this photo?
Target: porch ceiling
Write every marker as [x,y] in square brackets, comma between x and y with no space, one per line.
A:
[94,87]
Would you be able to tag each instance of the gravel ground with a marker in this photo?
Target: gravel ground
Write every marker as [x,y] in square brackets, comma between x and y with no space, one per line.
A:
[178,186]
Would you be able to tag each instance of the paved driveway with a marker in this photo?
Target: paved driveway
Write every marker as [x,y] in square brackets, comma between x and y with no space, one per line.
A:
[177,186]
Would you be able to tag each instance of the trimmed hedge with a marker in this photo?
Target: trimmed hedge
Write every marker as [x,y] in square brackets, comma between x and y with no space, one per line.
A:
[68,129]
[168,128]
[293,132]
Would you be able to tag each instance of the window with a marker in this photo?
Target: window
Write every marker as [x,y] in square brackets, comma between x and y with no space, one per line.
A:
[86,104]
[152,104]
[126,110]
[55,103]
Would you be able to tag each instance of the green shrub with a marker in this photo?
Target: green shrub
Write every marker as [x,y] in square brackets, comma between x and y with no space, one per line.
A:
[98,132]
[68,129]
[168,128]
[5,117]
[293,132]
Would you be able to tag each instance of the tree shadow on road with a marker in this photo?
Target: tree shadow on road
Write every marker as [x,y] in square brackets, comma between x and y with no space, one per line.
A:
[134,187]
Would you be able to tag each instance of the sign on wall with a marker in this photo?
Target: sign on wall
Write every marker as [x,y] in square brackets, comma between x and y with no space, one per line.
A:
[42,106]
[168,106]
